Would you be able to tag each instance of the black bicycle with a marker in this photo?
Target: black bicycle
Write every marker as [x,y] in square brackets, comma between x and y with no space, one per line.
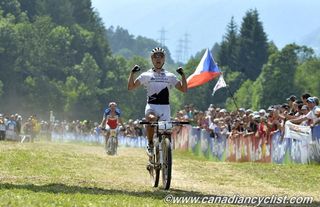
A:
[162,157]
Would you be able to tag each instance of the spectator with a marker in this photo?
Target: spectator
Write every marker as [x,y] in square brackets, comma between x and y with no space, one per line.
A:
[137,129]
[317,113]
[303,112]
[11,128]
[202,121]
[129,130]
[2,128]
[242,112]
[248,112]
[253,124]
[183,115]
[188,112]
[262,113]
[228,123]
[304,98]
[35,126]
[239,125]
[291,101]
[213,128]
[223,127]
[27,128]
[18,119]
[262,126]
[273,121]
[312,105]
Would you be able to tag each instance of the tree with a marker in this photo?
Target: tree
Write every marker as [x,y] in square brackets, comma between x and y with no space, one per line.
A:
[307,77]
[81,89]
[253,46]
[228,54]
[243,96]
[276,79]
[10,7]
[1,88]
[216,49]
[125,44]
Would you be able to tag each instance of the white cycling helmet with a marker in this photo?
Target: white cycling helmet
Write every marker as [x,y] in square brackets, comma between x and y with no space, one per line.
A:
[158,50]
[112,104]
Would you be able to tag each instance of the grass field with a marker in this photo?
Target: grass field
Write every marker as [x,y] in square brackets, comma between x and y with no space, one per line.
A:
[71,174]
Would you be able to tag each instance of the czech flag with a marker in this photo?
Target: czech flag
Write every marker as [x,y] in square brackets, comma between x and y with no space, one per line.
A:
[205,71]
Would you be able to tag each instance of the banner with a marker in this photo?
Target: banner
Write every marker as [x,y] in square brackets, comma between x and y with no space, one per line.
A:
[279,148]
[298,132]
[219,147]
[241,148]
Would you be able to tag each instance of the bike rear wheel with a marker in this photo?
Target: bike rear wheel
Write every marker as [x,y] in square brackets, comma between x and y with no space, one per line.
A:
[167,163]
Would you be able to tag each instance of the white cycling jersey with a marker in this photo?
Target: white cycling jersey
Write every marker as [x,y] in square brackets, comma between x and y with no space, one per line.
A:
[158,85]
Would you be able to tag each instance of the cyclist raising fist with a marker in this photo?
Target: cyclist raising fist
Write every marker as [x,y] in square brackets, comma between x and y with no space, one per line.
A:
[157,81]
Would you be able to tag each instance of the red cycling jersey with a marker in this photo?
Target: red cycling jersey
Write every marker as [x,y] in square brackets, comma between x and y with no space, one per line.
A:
[112,122]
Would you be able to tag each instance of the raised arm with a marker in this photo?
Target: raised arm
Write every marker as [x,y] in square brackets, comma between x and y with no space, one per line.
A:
[182,85]
[132,84]
[298,120]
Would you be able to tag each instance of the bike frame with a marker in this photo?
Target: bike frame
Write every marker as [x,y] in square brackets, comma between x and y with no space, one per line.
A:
[163,152]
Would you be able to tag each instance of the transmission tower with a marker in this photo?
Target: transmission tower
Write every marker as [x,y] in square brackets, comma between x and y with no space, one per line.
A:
[162,39]
[182,52]
[186,47]
[179,50]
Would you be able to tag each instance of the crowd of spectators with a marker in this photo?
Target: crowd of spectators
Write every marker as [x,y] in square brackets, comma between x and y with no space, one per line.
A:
[88,128]
[219,121]
[215,120]
[12,126]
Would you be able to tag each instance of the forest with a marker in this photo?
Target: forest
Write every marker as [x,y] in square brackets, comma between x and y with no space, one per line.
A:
[59,56]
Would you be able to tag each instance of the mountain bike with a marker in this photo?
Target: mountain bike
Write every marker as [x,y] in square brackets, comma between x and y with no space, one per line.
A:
[111,145]
[162,157]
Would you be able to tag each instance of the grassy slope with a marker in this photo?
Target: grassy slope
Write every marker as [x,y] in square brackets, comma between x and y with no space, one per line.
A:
[55,174]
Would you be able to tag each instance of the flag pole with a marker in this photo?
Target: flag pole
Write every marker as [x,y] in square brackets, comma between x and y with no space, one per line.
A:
[234,101]
[227,86]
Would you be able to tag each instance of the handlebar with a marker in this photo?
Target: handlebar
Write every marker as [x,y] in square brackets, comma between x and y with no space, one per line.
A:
[107,129]
[171,122]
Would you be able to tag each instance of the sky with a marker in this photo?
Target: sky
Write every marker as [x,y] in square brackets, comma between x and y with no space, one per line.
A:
[204,22]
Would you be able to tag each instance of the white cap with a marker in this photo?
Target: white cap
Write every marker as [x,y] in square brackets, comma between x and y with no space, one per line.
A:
[262,111]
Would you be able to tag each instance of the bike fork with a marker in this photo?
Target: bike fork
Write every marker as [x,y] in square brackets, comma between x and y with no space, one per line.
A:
[160,155]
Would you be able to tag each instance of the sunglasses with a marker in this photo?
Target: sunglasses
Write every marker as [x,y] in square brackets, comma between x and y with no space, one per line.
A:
[158,55]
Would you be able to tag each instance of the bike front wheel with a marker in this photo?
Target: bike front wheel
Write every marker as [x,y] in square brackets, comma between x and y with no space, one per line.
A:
[167,163]
[112,146]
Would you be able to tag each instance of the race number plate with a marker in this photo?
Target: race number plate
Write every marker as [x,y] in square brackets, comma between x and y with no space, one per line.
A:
[164,125]
[113,133]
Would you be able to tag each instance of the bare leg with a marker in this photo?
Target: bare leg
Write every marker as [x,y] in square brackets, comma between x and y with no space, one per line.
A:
[106,137]
[150,130]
